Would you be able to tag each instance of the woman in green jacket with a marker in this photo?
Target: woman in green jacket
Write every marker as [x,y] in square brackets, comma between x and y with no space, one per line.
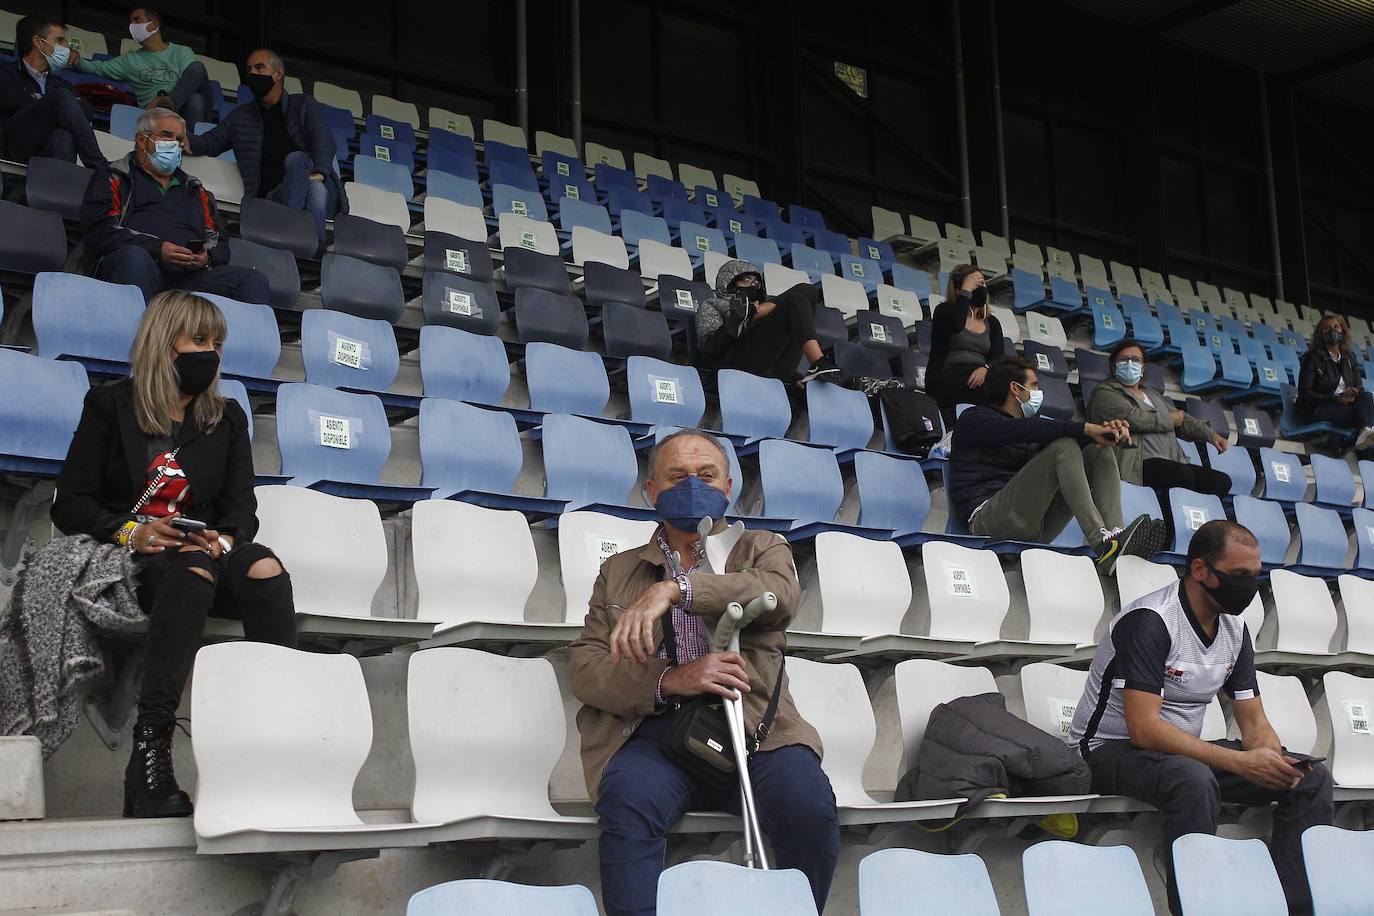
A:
[1156,426]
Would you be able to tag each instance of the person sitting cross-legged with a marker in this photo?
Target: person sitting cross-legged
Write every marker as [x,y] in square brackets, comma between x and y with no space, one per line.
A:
[164,75]
[40,113]
[1016,476]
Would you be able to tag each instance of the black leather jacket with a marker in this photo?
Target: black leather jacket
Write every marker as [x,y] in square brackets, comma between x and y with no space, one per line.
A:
[1319,376]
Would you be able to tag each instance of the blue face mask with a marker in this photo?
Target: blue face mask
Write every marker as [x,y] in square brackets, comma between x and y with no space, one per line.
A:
[1032,407]
[166,156]
[1128,373]
[59,56]
[684,505]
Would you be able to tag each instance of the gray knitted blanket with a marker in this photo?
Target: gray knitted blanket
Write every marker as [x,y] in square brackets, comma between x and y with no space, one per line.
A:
[67,591]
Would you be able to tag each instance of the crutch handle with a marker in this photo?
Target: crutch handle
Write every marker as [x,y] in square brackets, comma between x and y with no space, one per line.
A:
[736,618]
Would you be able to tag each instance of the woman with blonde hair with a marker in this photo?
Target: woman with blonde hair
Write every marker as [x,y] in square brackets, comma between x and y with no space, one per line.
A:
[1330,385]
[161,464]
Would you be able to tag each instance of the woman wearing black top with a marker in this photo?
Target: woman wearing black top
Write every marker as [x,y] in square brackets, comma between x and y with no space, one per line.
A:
[156,446]
[964,340]
[1330,386]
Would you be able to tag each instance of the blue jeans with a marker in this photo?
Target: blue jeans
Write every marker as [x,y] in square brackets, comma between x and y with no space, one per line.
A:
[299,192]
[57,126]
[191,96]
[642,794]
[136,267]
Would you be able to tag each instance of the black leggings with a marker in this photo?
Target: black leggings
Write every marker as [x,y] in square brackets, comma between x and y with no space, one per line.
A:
[1161,474]
[177,601]
[772,347]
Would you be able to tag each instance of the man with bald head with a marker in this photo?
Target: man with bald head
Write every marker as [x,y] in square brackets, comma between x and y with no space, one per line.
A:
[646,647]
[284,148]
[1139,722]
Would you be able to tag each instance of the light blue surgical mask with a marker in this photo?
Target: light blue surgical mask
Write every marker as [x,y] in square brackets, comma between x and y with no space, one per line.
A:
[59,56]
[166,156]
[1128,372]
[1031,407]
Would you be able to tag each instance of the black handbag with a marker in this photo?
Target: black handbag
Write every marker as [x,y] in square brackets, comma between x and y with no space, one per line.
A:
[699,739]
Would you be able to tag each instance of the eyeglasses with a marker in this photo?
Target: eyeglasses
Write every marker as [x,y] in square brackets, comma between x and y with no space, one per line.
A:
[747,281]
[1130,359]
[166,135]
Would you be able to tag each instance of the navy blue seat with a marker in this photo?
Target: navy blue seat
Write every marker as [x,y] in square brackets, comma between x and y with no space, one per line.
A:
[451,254]
[1254,427]
[367,240]
[494,151]
[1048,360]
[56,185]
[31,240]
[730,221]
[834,244]
[630,331]
[855,361]
[390,129]
[884,333]
[761,210]
[375,146]
[555,167]
[661,188]
[603,283]
[830,327]
[757,251]
[525,268]
[677,211]
[359,288]
[277,265]
[1058,403]
[460,302]
[1210,412]
[252,344]
[590,466]
[87,320]
[36,429]
[877,251]
[679,298]
[542,315]
[277,226]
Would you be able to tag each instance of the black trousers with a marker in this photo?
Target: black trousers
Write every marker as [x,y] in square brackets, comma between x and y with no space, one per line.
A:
[772,346]
[1189,794]
[1160,474]
[950,388]
[1356,415]
[56,125]
[177,601]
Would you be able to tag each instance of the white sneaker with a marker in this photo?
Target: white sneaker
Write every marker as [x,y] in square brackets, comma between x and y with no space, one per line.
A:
[1365,439]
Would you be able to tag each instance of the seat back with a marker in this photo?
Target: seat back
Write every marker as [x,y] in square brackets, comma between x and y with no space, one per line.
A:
[542,315]
[345,351]
[632,332]
[459,302]
[1235,463]
[1324,538]
[1284,478]
[1306,613]
[367,290]
[839,417]
[1288,711]
[1266,521]
[890,879]
[1191,511]
[608,283]
[518,231]
[1334,481]
[562,380]
[262,764]
[692,888]
[872,604]
[921,685]
[84,317]
[278,265]
[462,220]
[1096,873]
[833,699]
[664,394]
[278,226]
[482,895]
[1063,596]
[752,406]
[1350,703]
[966,591]
[657,258]
[381,205]
[846,295]
[586,462]
[463,366]
[1241,872]
[57,185]
[799,481]
[464,447]
[585,541]
[39,424]
[324,434]
[1328,853]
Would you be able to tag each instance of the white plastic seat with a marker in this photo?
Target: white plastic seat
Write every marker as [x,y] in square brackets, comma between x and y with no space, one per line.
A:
[461,220]
[693,176]
[1306,616]
[588,244]
[995,244]
[547,141]
[1357,602]
[1213,869]
[1046,329]
[846,295]
[293,85]
[1011,325]
[924,230]
[901,304]
[1063,596]
[1123,276]
[990,261]
[386,207]
[891,879]
[693,888]
[856,606]
[111,147]
[646,165]
[887,224]
[597,154]
[396,110]
[711,263]
[275,776]
[1078,879]
[1033,264]
[1093,272]
[1350,703]
[832,697]
[656,258]
[501,132]
[585,540]
[339,97]
[952,254]
[223,72]
[1136,577]
[778,279]
[451,121]
[220,177]
[516,231]
[1288,710]
[959,235]
[1060,263]
[738,187]
[474,571]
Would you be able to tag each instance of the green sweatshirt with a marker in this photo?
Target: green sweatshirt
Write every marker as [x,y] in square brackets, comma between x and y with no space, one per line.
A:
[148,71]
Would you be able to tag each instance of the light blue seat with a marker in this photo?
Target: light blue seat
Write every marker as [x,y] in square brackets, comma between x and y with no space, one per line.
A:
[1137,501]
[754,249]
[1269,376]
[350,353]
[1237,464]
[608,176]
[1324,541]
[752,409]
[1335,484]
[891,880]
[730,221]
[661,188]
[1109,325]
[85,319]
[785,234]
[36,428]
[123,119]
[485,897]
[663,393]
[809,220]
[252,344]
[1199,368]
[1282,475]
[815,264]
[693,888]
[894,495]
[636,226]
[1146,329]
[1064,299]
[1266,521]
[913,280]
[832,243]
[1028,290]
[450,152]
[698,239]
[337,442]
[590,465]
[1291,426]
[1241,873]
[677,211]
[389,176]
[463,366]
[1330,853]
[233,390]
[507,198]
[573,213]
[563,380]
[877,251]
[1366,468]
[1191,510]
[515,174]
[473,454]
[1074,878]
[861,270]
[1190,452]
[1252,349]
[457,188]
[839,418]
[802,491]
[761,209]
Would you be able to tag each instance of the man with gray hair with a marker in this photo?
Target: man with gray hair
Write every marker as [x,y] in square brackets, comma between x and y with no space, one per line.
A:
[284,148]
[147,223]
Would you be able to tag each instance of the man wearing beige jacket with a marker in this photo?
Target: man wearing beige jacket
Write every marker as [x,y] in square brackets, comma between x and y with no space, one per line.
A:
[630,688]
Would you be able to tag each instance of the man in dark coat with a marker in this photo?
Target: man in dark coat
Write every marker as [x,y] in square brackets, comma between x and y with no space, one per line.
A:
[40,114]
[284,148]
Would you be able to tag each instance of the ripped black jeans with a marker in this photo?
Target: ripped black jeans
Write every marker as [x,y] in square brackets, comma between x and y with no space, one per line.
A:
[177,601]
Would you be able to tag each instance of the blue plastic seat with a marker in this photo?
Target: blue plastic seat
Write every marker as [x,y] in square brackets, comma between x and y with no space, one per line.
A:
[802,491]
[1098,873]
[757,251]
[1335,484]
[698,239]
[1324,542]
[277,226]
[1283,476]
[1145,328]
[515,174]
[603,283]
[752,408]
[1048,360]
[525,268]
[450,254]
[123,119]
[277,265]
[474,454]
[1292,427]
[883,333]
[834,244]
[460,302]
[784,234]
[831,329]
[621,200]
[629,331]
[1329,853]
[1266,521]
[555,167]
[463,366]
[608,176]
[1137,501]
[523,201]
[252,344]
[663,393]
[31,240]
[1237,464]
[855,360]
[805,217]
[337,442]
[730,221]
[572,190]
[1363,524]
[661,188]
[457,157]
[877,251]
[59,186]
[912,280]
[398,131]
[890,879]
[861,270]
[590,465]
[542,315]
[494,151]
[85,319]
[761,209]
[589,213]
[893,495]
[378,147]
[815,264]
[636,226]
[1240,872]
[1028,290]
[839,419]
[480,895]
[354,286]
[562,380]
[677,210]
[1199,368]
[36,428]
[347,352]
[693,888]
[338,119]
[460,189]
[1058,403]
[1254,427]
[1191,510]
[1270,377]
[1109,325]
[679,298]
[367,240]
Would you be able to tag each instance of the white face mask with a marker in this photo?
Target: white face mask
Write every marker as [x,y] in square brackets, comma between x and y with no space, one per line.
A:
[140,31]
[1031,407]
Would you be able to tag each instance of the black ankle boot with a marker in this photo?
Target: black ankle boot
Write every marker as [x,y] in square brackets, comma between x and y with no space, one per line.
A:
[150,786]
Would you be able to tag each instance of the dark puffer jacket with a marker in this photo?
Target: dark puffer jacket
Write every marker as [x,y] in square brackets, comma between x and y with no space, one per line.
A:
[974,748]
[990,446]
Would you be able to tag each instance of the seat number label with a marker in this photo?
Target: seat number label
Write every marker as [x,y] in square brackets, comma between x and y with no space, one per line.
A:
[570,190]
[459,302]
[1251,424]
[1196,517]
[456,260]
[519,208]
[1107,322]
[1280,471]
[896,305]
[348,352]
[856,268]
[1100,301]
[879,332]
[1042,362]
[603,548]
[1061,713]
[383,153]
[562,168]
[452,124]
[529,240]
[684,300]
[736,226]
[665,390]
[703,243]
[1269,376]
[334,432]
[874,253]
[961,582]
[713,201]
[387,131]
[1357,711]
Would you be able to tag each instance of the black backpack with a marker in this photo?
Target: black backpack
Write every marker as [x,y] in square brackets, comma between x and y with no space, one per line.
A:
[913,419]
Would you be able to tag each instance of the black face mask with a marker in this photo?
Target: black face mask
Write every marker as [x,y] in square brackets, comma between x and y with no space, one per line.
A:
[752,293]
[260,83]
[1333,338]
[196,370]
[1232,593]
[979,296]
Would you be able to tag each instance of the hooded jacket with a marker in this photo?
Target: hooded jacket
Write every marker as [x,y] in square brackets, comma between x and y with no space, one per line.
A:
[973,748]
[718,319]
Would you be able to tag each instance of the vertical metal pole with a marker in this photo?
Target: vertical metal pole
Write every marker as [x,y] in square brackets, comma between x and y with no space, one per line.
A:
[575,56]
[522,75]
[998,140]
[1270,194]
[961,118]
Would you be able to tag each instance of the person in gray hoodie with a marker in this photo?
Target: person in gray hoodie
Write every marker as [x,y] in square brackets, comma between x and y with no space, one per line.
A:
[744,328]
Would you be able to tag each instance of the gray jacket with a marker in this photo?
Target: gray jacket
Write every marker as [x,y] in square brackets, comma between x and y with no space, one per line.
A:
[1111,401]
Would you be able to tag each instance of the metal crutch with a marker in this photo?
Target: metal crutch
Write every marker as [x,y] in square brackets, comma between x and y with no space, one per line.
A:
[726,638]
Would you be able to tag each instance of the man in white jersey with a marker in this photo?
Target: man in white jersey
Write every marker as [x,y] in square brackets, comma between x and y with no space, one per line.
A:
[1138,723]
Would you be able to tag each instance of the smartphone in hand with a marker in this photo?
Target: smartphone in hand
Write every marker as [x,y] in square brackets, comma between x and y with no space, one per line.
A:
[196,246]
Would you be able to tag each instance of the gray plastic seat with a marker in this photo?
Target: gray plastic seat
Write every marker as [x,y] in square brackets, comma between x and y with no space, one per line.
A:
[269,223]
[277,264]
[455,255]
[367,240]
[31,241]
[57,185]
[460,302]
[367,290]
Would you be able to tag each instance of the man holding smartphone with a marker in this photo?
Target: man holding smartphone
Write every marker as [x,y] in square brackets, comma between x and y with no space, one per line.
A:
[1139,722]
[149,224]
